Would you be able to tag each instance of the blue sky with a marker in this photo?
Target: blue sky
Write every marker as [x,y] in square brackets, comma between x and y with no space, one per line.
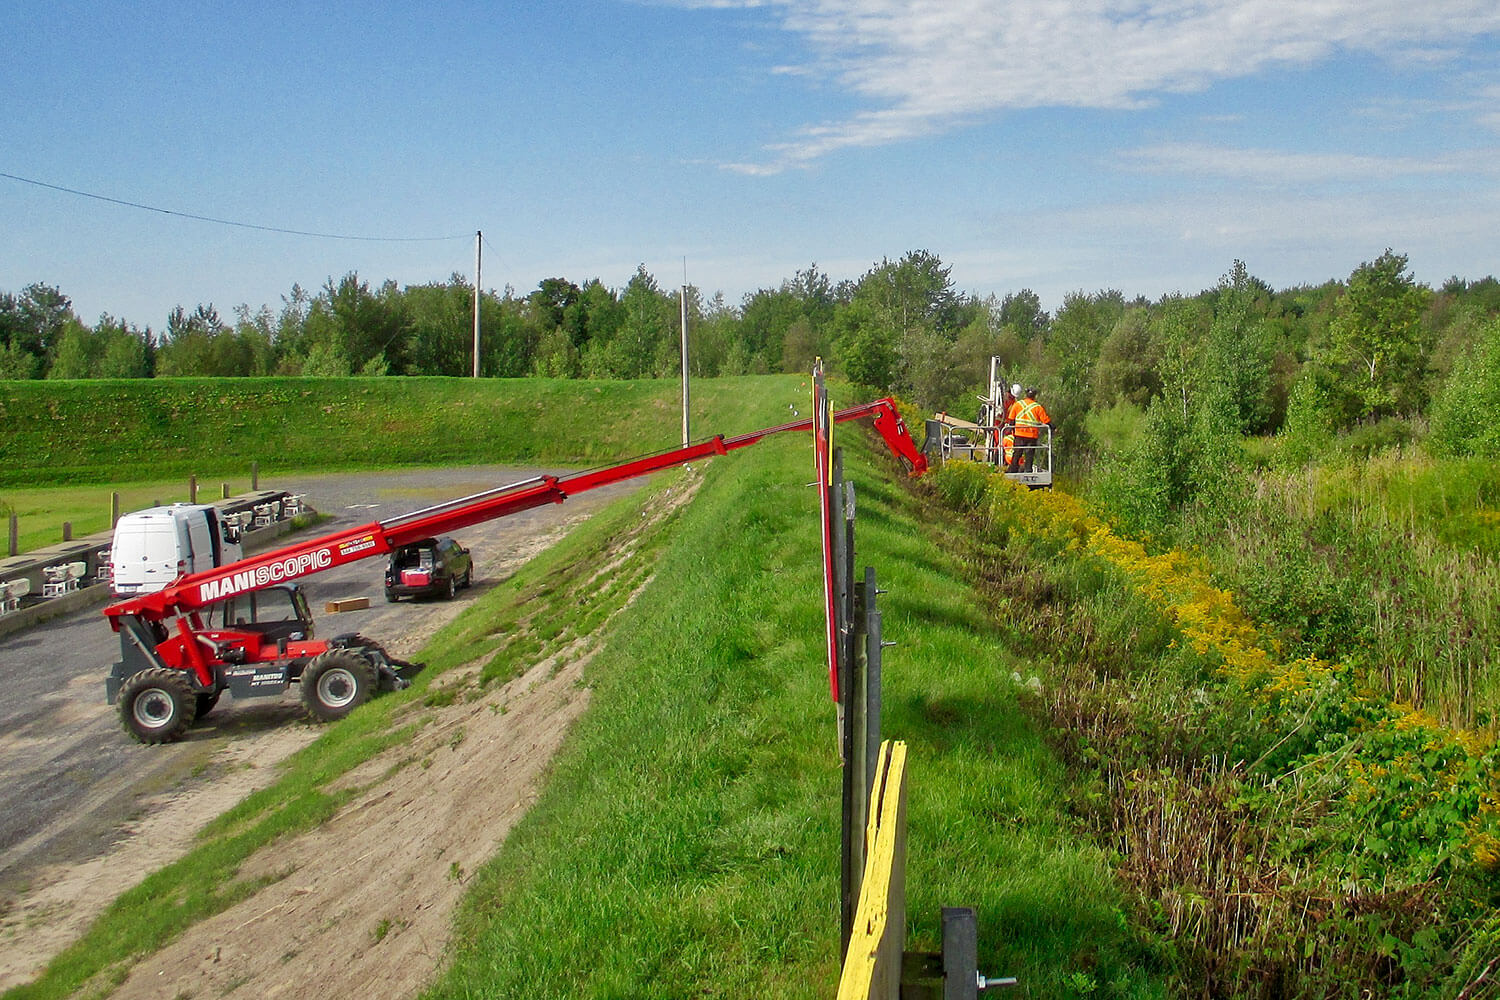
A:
[1046,144]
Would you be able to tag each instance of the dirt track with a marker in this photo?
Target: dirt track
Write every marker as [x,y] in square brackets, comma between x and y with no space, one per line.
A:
[363,904]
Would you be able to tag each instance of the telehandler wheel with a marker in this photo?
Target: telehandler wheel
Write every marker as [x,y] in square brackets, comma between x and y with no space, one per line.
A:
[157,705]
[335,683]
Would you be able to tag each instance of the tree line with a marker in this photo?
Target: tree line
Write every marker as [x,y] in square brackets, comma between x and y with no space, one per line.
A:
[1374,346]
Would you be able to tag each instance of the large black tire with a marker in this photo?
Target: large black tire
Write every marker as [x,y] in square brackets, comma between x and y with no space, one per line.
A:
[206,702]
[335,683]
[452,588]
[390,596]
[157,705]
[468,577]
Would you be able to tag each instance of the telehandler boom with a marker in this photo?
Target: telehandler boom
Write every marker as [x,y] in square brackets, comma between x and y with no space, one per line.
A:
[245,627]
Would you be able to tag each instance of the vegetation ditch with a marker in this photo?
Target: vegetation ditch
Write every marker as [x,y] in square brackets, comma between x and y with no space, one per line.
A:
[1288,827]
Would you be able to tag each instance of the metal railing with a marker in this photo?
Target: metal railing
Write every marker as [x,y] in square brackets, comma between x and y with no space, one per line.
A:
[1023,462]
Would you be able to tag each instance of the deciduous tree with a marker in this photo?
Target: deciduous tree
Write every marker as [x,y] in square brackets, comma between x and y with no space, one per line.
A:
[1376,342]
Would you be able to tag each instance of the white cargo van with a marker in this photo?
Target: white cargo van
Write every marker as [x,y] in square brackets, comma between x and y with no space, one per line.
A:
[153,547]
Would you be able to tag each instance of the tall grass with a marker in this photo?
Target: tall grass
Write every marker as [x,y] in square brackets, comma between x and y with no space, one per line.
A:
[1391,563]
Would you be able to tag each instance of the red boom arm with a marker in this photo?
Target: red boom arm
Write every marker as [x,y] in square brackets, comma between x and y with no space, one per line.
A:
[199,590]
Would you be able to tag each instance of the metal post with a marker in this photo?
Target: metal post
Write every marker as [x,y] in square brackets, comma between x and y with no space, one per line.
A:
[114,508]
[192,489]
[478,239]
[873,656]
[15,536]
[960,954]
[685,438]
[67,531]
[254,476]
[851,867]
[224,491]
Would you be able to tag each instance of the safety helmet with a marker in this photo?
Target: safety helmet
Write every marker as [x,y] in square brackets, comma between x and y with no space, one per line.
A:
[1015,390]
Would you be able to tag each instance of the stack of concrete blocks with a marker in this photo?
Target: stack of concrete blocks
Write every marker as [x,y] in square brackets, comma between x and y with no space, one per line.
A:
[11,592]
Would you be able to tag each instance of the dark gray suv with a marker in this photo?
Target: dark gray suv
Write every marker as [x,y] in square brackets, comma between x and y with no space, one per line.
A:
[431,566]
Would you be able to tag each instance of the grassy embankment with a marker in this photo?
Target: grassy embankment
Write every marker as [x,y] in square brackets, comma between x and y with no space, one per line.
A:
[1289,828]
[68,444]
[687,839]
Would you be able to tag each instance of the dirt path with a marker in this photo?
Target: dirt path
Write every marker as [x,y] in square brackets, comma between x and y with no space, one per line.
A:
[368,904]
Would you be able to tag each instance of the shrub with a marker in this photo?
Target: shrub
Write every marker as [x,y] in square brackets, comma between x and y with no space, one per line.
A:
[1464,420]
[1368,440]
[1307,432]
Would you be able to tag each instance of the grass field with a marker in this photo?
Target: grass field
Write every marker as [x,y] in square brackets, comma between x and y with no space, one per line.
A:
[105,431]
[68,445]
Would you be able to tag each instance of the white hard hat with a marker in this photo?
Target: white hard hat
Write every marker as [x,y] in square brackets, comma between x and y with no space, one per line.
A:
[1015,390]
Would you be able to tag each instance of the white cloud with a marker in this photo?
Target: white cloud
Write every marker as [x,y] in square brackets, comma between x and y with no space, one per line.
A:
[928,65]
[1183,242]
[1277,167]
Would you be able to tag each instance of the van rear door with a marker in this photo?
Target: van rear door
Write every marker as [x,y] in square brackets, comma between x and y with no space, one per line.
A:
[144,555]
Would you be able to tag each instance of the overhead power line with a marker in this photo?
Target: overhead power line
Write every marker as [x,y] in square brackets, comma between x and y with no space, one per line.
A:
[232,222]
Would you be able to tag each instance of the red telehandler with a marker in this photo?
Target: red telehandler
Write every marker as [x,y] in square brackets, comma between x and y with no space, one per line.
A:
[245,627]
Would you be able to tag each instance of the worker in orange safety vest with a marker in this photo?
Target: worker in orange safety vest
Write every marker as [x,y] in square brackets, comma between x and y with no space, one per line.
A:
[1029,417]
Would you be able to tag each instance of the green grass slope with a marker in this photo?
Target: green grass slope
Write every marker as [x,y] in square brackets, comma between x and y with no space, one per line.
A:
[132,430]
[687,842]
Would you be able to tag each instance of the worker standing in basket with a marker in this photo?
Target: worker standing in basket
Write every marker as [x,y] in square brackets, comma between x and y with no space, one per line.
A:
[1029,417]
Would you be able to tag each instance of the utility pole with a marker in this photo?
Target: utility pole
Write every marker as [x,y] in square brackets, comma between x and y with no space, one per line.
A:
[685,438]
[478,239]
